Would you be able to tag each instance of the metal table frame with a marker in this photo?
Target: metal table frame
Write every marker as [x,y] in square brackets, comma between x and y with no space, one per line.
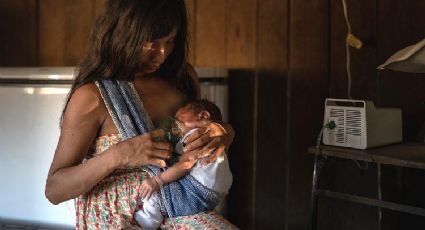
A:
[411,155]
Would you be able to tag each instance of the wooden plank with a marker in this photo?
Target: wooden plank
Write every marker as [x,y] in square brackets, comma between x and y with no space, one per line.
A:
[409,155]
[18,40]
[99,7]
[190,5]
[273,35]
[271,193]
[241,115]
[241,33]
[374,202]
[210,33]
[78,24]
[265,206]
[340,153]
[308,86]
[52,33]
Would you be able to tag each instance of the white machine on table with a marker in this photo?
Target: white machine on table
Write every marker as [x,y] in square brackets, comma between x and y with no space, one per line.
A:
[359,124]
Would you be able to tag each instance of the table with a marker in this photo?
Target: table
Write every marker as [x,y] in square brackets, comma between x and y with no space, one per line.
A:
[410,155]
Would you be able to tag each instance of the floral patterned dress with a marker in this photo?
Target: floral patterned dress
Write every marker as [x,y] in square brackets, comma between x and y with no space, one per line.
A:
[113,201]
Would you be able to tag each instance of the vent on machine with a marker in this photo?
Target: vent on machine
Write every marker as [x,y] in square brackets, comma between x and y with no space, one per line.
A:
[353,122]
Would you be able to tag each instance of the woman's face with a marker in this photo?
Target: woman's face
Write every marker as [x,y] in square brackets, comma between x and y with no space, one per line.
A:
[156,51]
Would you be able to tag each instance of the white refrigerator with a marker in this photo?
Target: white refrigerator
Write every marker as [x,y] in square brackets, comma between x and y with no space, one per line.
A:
[31,103]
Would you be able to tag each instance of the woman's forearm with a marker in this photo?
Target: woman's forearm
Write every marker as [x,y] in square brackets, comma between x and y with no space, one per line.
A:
[70,182]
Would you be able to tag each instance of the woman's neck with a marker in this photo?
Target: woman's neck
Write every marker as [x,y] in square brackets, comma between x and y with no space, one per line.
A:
[142,75]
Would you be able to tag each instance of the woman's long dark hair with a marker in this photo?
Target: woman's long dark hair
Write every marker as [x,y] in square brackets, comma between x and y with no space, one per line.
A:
[119,36]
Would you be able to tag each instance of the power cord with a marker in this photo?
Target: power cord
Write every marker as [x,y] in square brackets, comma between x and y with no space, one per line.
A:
[317,166]
[316,171]
[352,41]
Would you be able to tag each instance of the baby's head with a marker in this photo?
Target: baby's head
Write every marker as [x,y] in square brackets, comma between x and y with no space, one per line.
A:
[197,110]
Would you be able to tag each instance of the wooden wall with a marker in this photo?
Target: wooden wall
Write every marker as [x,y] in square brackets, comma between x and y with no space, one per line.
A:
[310,65]
[45,32]
[286,57]
[56,32]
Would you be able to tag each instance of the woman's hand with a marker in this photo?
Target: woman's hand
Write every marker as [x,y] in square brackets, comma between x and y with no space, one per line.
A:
[148,148]
[209,140]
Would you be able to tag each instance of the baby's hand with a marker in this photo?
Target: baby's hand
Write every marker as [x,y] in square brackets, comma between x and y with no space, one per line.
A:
[149,186]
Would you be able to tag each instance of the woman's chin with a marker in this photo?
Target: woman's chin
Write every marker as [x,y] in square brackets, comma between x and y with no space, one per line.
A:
[149,70]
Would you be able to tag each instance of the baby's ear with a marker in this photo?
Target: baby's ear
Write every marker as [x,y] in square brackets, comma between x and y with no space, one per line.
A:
[204,115]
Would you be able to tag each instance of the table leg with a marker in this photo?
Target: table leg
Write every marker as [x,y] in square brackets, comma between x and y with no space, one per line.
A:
[318,165]
[378,181]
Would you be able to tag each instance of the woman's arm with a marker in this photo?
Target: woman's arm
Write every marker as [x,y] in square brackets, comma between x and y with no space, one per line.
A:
[83,118]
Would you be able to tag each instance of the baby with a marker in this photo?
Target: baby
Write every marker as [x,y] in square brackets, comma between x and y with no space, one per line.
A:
[215,176]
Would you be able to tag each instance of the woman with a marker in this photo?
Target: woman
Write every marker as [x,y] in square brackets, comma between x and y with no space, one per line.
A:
[143,42]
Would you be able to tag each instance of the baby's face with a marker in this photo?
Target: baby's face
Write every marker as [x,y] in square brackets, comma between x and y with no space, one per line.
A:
[184,114]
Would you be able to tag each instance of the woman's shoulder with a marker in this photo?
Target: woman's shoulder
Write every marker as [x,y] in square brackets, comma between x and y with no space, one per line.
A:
[86,94]
[86,101]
